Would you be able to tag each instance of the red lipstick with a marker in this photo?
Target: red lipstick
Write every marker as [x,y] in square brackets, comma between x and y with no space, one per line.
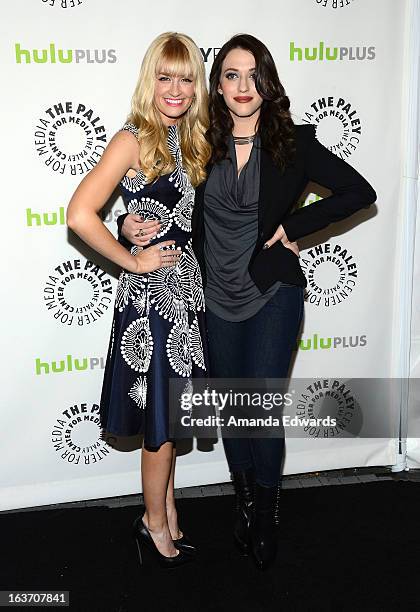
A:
[243,98]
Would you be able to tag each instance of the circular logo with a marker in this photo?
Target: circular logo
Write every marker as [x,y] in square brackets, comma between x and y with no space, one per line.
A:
[329,399]
[70,138]
[335,4]
[76,435]
[337,124]
[331,272]
[63,4]
[78,292]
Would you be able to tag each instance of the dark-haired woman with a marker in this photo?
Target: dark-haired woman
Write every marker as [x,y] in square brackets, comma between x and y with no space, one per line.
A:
[244,228]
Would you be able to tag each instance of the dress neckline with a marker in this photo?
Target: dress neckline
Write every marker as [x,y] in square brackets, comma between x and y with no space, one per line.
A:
[235,159]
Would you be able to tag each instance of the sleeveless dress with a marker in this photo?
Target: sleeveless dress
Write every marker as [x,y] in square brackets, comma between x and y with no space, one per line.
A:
[158,330]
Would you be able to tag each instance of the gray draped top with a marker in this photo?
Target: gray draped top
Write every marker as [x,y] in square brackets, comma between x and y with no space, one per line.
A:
[231,229]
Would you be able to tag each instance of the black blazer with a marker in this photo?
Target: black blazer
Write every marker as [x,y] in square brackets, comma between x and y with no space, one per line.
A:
[278,197]
[279,194]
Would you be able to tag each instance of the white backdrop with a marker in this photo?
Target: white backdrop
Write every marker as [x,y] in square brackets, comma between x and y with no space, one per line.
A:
[70,69]
[411,237]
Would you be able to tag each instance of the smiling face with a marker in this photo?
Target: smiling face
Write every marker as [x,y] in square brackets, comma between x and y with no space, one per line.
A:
[173,96]
[237,84]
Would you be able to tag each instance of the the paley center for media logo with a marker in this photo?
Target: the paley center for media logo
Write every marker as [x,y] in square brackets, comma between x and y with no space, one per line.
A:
[337,122]
[327,397]
[77,292]
[209,53]
[70,137]
[63,4]
[76,435]
[334,4]
[331,272]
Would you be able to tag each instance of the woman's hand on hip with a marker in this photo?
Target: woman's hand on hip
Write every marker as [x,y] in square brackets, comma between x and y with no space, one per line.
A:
[161,255]
[139,232]
[280,234]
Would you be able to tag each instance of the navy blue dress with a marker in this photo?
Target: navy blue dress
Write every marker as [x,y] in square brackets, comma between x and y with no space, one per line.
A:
[158,331]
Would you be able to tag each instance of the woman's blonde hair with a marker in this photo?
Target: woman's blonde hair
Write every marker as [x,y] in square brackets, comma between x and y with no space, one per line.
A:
[173,54]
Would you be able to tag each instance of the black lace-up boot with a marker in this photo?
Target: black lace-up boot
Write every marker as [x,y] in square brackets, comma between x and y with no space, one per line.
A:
[244,484]
[263,534]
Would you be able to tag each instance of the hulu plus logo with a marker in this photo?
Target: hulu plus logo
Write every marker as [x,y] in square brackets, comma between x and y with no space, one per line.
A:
[68,364]
[63,4]
[58,217]
[330,54]
[34,219]
[54,55]
[317,342]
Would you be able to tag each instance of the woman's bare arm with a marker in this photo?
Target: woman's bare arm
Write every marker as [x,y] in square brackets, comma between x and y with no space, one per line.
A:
[92,194]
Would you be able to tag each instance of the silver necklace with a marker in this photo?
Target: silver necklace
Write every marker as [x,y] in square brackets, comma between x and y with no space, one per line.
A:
[242,140]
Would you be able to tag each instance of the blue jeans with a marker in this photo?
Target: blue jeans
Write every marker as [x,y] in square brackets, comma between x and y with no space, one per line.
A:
[259,347]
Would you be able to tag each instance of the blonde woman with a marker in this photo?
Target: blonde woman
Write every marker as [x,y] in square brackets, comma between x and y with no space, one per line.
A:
[158,158]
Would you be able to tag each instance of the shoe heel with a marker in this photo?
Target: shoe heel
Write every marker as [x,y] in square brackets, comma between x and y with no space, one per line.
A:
[139,551]
[242,546]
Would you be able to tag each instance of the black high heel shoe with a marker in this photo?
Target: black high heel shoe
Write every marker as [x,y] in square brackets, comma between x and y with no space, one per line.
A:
[142,536]
[185,545]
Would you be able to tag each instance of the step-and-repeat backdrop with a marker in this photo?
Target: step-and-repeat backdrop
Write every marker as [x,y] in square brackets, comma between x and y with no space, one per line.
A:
[70,69]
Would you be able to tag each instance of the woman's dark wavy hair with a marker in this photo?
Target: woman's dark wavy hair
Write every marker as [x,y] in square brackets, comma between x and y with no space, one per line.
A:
[275,125]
